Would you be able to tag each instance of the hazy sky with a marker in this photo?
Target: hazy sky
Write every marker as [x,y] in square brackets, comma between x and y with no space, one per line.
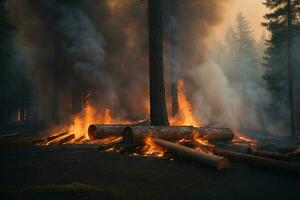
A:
[252,9]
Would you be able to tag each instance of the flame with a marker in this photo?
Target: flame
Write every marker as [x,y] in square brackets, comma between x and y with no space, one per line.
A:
[185,116]
[81,122]
[151,148]
[88,116]
[239,138]
[203,145]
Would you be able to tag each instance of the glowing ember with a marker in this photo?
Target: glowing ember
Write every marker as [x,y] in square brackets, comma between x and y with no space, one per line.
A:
[239,138]
[203,145]
[151,149]
[185,116]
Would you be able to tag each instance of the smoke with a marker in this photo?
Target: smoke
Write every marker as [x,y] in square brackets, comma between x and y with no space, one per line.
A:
[103,46]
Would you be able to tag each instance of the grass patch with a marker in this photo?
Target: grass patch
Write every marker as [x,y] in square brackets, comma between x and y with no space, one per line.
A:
[73,187]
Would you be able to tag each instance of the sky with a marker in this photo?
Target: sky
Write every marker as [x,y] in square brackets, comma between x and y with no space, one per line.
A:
[253,10]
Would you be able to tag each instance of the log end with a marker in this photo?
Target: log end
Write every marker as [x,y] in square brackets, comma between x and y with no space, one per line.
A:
[223,164]
[92,132]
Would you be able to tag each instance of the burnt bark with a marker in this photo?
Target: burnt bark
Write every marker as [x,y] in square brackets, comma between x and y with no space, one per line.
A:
[158,110]
[174,66]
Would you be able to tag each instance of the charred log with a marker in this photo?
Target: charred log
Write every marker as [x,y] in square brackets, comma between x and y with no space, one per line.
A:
[53,137]
[104,147]
[258,161]
[62,141]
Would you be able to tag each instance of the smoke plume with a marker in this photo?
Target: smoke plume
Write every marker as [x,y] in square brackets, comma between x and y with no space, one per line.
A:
[103,46]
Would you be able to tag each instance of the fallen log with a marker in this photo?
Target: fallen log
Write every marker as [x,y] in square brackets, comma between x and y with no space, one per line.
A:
[136,134]
[217,162]
[215,134]
[100,131]
[53,137]
[104,147]
[62,141]
[258,161]
[272,155]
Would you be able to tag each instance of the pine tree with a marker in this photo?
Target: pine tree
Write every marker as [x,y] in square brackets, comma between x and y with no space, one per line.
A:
[246,60]
[282,22]
[158,110]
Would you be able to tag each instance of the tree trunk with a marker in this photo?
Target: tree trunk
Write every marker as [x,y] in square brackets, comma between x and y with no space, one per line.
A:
[158,110]
[291,72]
[174,68]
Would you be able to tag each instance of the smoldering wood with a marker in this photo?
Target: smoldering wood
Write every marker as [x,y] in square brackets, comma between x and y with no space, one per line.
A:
[62,141]
[104,147]
[79,139]
[53,137]
[258,161]
[136,134]
[217,162]
[215,134]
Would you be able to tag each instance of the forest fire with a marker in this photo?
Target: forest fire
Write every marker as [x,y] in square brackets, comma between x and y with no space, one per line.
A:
[185,116]
[93,127]
[151,148]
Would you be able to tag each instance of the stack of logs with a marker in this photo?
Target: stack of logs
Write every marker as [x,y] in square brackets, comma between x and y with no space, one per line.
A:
[167,138]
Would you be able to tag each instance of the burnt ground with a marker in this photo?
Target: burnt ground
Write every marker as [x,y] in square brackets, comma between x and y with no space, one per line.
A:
[82,172]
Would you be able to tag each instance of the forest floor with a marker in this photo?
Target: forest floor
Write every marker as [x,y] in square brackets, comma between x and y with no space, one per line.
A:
[28,171]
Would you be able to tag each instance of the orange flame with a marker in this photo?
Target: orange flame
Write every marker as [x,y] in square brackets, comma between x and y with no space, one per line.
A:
[81,122]
[185,116]
[151,148]
[239,138]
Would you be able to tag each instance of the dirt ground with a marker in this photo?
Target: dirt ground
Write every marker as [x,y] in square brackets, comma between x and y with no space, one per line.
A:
[82,172]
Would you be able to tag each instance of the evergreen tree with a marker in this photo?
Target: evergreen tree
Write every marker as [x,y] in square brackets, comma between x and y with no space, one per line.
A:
[283,23]
[158,110]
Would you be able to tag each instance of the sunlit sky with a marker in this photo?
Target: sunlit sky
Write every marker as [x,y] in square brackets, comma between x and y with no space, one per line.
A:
[254,11]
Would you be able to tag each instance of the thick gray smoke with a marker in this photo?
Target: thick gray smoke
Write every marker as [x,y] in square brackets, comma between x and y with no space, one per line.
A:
[103,45]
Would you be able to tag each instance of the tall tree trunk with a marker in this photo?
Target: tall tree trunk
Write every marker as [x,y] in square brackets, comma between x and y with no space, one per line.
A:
[158,110]
[174,73]
[291,71]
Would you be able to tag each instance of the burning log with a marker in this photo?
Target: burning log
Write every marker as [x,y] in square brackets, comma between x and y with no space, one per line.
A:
[137,134]
[259,161]
[100,131]
[217,162]
[53,137]
[215,134]
[62,141]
